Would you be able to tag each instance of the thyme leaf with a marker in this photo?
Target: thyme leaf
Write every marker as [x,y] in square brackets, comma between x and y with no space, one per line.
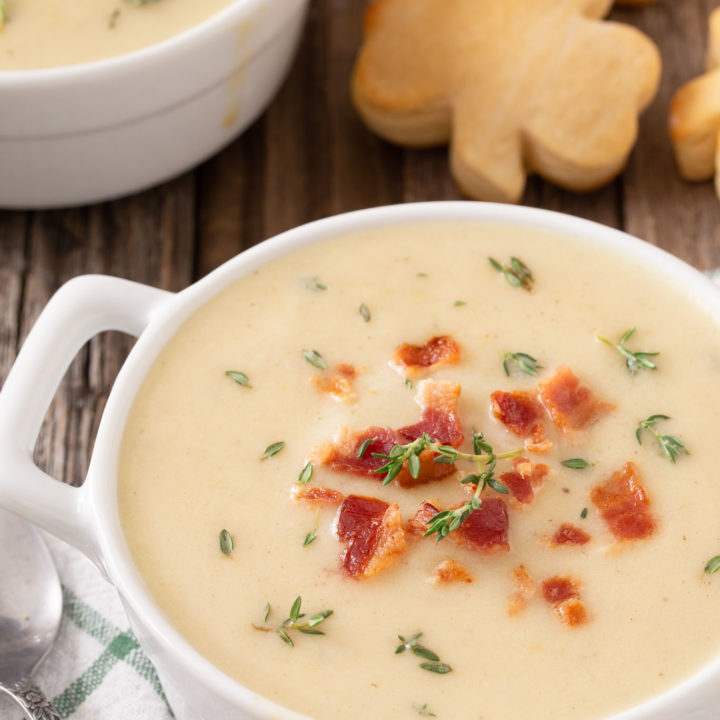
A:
[3,13]
[636,360]
[436,667]
[670,445]
[226,542]
[584,513]
[365,312]
[366,443]
[517,273]
[433,663]
[310,537]
[713,565]
[315,358]
[315,284]
[526,363]
[408,383]
[459,303]
[239,377]
[295,621]
[576,463]
[273,449]
[424,710]
[267,612]
[305,474]
[112,21]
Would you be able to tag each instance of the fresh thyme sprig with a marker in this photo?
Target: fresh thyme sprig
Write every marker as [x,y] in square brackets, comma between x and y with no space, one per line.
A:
[412,644]
[312,535]
[526,363]
[634,360]
[669,444]
[484,457]
[295,621]
[518,274]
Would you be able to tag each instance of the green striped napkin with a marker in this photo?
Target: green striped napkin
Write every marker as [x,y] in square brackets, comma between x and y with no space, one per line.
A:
[96,669]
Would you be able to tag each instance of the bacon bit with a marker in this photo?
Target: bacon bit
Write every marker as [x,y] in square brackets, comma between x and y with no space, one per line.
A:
[571,406]
[559,588]
[520,412]
[412,360]
[439,401]
[571,612]
[624,505]
[341,455]
[568,534]
[347,370]
[373,533]
[449,571]
[337,384]
[525,479]
[429,471]
[417,525]
[485,530]
[525,590]
[315,495]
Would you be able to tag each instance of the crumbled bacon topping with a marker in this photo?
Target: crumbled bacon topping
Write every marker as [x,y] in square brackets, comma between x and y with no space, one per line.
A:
[524,479]
[342,454]
[412,360]
[524,590]
[373,533]
[624,504]
[562,592]
[569,534]
[571,406]
[519,411]
[485,530]
[438,401]
[559,588]
[315,495]
[450,571]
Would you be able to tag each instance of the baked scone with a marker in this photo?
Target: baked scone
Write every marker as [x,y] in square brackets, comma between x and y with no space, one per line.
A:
[695,116]
[515,86]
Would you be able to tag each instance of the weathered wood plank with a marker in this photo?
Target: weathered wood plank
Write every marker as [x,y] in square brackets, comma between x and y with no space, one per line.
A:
[681,217]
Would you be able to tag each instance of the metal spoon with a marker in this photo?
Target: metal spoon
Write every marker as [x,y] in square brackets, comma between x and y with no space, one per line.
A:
[30,612]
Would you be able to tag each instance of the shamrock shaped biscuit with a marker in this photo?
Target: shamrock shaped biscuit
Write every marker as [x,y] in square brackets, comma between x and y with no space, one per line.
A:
[695,117]
[515,86]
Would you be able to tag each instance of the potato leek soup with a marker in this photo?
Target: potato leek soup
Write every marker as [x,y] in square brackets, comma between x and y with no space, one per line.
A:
[53,33]
[453,470]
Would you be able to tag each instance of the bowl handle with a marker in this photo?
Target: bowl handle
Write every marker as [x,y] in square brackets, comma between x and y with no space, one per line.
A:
[80,309]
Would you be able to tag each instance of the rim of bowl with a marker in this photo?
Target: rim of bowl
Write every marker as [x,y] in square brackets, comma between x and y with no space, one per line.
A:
[175,44]
[119,562]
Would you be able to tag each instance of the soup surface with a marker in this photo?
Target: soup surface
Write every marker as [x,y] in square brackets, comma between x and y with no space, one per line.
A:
[53,33]
[534,622]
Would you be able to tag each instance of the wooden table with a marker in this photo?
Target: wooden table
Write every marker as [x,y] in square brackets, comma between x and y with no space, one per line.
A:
[307,157]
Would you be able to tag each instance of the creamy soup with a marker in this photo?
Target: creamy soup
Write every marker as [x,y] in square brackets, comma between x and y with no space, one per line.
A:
[540,623]
[52,33]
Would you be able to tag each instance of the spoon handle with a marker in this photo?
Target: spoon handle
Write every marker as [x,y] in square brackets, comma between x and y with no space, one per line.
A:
[33,701]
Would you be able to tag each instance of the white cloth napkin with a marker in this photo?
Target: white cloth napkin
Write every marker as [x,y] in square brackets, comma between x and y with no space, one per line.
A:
[96,669]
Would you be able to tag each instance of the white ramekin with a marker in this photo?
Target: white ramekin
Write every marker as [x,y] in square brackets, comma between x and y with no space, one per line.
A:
[89,132]
[87,517]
